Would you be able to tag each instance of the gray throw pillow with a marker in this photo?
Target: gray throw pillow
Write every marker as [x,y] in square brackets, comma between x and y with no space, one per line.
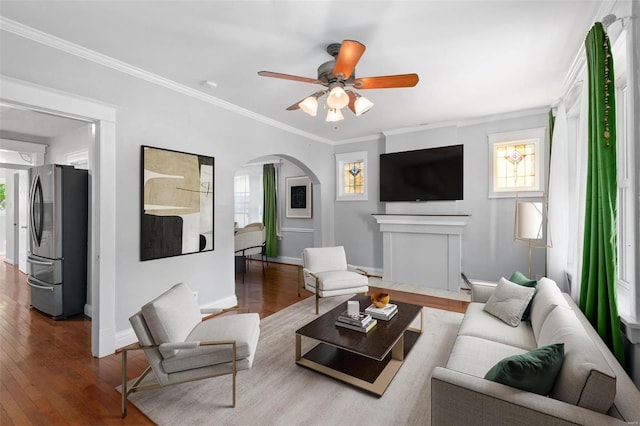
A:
[509,301]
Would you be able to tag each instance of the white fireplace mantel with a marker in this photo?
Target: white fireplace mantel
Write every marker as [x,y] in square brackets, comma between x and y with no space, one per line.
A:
[423,250]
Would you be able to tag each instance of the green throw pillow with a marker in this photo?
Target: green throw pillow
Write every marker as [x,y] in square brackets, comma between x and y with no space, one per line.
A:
[520,279]
[534,371]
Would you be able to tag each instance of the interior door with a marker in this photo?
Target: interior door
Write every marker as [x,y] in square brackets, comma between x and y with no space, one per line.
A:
[22,183]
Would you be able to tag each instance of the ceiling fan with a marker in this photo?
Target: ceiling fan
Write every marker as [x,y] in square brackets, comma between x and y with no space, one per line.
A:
[339,73]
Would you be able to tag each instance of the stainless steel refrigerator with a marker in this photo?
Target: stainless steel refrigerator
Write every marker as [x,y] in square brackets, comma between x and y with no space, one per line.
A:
[58,205]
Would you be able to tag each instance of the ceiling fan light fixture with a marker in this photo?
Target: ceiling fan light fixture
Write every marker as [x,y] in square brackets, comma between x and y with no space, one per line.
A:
[362,105]
[334,114]
[310,105]
[337,98]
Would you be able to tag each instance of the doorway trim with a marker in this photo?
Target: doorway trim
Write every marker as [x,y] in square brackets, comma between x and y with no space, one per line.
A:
[102,205]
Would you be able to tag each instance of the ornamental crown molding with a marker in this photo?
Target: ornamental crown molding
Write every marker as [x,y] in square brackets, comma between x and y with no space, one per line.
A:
[90,55]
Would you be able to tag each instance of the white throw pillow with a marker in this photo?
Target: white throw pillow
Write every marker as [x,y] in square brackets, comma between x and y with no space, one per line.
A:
[509,301]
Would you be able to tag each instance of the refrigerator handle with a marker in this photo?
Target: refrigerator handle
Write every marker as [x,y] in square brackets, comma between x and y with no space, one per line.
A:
[33,282]
[38,262]
[36,225]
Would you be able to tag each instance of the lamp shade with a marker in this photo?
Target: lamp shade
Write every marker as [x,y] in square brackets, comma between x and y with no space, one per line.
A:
[309,105]
[362,105]
[334,115]
[529,220]
[337,98]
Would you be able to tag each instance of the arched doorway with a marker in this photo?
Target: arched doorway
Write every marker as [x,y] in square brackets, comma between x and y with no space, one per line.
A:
[294,234]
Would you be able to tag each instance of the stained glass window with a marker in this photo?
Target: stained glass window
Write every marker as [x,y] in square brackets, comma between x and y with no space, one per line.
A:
[516,162]
[351,176]
[515,165]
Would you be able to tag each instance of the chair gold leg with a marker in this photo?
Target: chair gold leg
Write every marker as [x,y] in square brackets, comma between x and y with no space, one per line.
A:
[317,302]
[300,275]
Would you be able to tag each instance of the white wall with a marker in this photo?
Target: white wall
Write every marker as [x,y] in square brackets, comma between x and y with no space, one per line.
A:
[355,228]
[77,140]
[488,249]
[152,115]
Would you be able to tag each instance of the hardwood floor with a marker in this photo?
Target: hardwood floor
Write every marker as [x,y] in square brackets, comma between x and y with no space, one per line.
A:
[49,377]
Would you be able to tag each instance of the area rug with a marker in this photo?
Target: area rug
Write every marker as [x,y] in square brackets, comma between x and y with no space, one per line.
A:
[276,391]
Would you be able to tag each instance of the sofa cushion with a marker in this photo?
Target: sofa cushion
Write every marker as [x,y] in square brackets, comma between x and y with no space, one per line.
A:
[339,280]
[479,323]
[171,316]
[318,259]
[243,328]
[475,356]
[519,278]
[509,301]
[547,297]
[534,371]
[585,380]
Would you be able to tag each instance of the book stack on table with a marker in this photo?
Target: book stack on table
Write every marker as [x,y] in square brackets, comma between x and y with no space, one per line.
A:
[362,323]
[385,313]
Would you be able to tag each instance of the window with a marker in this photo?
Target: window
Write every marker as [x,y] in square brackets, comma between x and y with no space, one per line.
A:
[248,200]
[351,176]
[516,163]
[625,179]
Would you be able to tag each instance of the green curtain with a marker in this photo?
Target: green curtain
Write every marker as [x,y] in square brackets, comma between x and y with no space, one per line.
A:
[599,263]
[270,210]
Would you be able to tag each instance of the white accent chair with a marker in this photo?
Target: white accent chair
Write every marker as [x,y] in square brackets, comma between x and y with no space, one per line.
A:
[250,240]
[326,273]
[181,347]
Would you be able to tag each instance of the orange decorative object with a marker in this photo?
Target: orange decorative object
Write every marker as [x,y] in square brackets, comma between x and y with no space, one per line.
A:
[380,300]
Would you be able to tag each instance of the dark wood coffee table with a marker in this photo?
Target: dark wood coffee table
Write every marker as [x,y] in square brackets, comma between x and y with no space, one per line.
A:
[369,361]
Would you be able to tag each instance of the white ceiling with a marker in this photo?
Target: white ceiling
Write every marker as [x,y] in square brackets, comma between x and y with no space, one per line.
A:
[474,58]
[15,122]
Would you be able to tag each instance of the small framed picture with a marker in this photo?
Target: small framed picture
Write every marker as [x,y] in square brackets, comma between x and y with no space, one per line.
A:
[298,197]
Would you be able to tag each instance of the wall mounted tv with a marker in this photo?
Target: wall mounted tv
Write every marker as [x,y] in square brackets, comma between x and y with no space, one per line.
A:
[433,174]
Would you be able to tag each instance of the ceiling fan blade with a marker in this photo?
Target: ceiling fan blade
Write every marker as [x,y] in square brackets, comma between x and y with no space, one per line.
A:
[387,81]
[348,57]
[352,101]
[288,77]
[297,104]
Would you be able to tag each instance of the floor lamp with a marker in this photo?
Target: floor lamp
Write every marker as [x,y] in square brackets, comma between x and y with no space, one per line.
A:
[530,221]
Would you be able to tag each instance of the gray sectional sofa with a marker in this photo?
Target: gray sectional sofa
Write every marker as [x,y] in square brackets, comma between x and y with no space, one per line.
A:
[591,387]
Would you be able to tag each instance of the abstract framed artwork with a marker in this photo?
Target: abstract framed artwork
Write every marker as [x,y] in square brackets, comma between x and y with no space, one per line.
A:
[298,197]
[177,203]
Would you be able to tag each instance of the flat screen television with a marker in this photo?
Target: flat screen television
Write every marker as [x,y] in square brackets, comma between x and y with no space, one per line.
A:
[433,174]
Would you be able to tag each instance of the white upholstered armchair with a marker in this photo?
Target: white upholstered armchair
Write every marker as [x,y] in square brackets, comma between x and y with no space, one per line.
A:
[180,347]
[326,273]
[249,241]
